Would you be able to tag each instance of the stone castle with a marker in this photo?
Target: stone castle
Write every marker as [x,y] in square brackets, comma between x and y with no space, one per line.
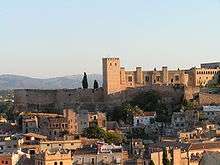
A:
[119,86]
[116,78]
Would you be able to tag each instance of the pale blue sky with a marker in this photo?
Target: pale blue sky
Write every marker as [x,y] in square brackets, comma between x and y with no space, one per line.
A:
[45,38]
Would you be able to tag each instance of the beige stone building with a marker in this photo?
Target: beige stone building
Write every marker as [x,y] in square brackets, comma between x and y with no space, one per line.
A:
[56,157]
[86,119]
[117,78]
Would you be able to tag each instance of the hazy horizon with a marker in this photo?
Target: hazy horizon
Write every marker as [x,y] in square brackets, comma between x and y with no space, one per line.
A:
[61,38]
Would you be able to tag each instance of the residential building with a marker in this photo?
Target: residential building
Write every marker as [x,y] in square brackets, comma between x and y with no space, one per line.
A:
[18,158]
[99,154]
[53,157]
[185,120]
[54,126]
[10,143]
[144,119]
[87,119]
[61,144]
[211,112]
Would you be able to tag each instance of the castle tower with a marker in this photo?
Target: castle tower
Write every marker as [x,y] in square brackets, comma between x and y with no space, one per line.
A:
[139,75]
[165,75]
[111,75]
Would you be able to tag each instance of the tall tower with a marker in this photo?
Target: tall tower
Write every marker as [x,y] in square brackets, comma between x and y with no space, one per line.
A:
[111,75]
[165,77]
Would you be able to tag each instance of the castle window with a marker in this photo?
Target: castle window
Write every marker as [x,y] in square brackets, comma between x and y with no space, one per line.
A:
[158,78]
[115,64]
[61,163]
[177,78]
[110,64]
[171,80]
[93,161]
[147,78]
[55,163]
[130,79]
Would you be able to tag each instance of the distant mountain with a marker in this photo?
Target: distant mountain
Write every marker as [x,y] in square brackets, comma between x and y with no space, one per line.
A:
[23,82]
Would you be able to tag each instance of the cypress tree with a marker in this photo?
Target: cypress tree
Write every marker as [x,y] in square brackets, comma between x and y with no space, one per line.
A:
[165,159]
[85,81]
[151,162]
[96,84]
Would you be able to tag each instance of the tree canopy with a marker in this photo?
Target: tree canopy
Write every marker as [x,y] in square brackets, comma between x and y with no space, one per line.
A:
[165,159]
[152,101]
[96,132]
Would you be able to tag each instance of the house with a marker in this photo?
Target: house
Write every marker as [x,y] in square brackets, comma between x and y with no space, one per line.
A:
[185,119]
[53,157]
[54,126]
[212,158]
[9,143]
[17,158]
[211,112]
[87,119]
[144,119]
[33,138]
[61,144]
[196,150]
[99,153]
[175,150]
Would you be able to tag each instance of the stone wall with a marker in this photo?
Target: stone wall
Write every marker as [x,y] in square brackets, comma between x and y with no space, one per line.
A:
[54,100]
[191,92]
[169,93]
[208,99]
[89,99]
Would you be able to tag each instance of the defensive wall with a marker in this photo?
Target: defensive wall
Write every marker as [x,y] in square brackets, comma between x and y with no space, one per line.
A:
[209,99]
[56,100]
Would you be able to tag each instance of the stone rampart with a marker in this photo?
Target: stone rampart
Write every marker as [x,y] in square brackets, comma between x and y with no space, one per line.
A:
[209,99]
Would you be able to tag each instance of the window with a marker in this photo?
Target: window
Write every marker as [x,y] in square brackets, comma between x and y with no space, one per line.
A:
[147,78]
[93,161]
[177,78]
[61,163]
[158,78]
[55,163]
[6,162]
[130,79]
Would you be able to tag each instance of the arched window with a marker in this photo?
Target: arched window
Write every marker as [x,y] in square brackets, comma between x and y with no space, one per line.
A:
[61,163]
[55,163]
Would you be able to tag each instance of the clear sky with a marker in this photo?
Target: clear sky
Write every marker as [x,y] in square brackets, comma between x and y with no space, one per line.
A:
[45,38]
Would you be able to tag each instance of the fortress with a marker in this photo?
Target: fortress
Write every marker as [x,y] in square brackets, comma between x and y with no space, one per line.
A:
[116,78]
[119,86]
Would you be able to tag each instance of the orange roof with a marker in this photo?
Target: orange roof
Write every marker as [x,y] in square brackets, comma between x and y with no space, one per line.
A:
[146,114]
